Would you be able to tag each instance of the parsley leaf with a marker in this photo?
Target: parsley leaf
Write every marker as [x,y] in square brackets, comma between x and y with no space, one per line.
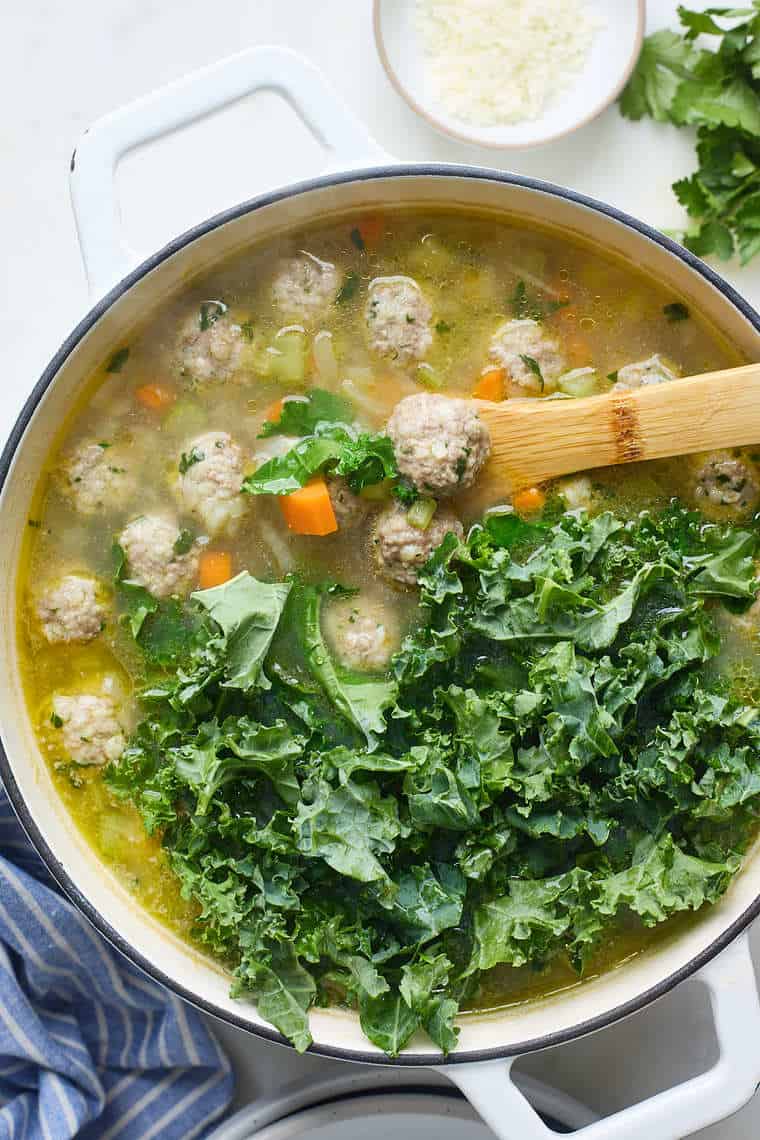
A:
[676,311]
[534,366]
[183,542]
[349,288]
[188,459]
[209,313]
[525,305]
[716,88]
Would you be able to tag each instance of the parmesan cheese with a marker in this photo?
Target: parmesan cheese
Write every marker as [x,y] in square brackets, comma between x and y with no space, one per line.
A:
[493,62]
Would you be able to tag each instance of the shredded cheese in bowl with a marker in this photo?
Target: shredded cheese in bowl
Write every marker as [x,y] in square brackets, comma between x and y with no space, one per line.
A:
[493,62]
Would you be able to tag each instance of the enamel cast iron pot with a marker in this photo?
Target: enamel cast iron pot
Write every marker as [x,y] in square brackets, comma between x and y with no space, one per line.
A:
[125,292]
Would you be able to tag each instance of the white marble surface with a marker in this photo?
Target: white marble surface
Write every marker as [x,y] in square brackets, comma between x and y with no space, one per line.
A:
[63,65]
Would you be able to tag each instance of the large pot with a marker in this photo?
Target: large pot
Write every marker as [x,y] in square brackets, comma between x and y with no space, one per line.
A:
[488,1043]
[369,1102]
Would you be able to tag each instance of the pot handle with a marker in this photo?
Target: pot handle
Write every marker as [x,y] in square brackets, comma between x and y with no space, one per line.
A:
[670,1115]
[93,192]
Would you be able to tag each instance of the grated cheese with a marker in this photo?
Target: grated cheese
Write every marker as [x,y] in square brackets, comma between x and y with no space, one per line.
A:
[503,61]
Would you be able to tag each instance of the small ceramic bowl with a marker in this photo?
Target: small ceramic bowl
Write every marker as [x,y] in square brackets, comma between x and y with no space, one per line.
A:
[611,60]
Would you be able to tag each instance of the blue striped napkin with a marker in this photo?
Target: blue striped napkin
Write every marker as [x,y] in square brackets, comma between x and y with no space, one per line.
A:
[89,1046]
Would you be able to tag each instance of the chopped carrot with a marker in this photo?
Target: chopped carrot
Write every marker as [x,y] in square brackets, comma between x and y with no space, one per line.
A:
[490,386]
[154,397]
[214,568]
[310,510]
[371,229]
[275,411]
[529,501]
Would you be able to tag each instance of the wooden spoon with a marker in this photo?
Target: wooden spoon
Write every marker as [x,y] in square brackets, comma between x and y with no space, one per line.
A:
[536,440]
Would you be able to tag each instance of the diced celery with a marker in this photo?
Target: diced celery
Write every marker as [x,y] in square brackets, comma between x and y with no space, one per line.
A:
[498,511]
[186,418]
[579,382]
[288,357]
[428,376]
[420,514]
[377,492]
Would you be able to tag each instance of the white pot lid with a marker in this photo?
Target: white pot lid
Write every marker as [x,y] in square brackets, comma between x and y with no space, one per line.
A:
[422,1112]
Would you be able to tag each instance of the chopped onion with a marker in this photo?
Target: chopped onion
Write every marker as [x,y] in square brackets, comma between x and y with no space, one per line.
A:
[278,546]
[353,388]
[324,359]
[579,382]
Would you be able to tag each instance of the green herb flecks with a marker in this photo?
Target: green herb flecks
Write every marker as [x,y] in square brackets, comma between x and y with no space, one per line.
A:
[405,492]
[118,360]
[531,363]
[676,311]
[183,542]
[532,306]
[209,313]
[349,288]
[188,459]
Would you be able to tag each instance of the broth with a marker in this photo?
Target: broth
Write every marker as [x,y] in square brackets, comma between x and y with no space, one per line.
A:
[150,399]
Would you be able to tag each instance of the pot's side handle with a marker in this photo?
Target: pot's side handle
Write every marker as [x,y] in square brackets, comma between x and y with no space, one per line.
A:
[670,1115]
[93,165]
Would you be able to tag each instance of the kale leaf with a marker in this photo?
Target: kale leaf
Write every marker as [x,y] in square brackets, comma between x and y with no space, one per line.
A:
[552,748]
[248,612]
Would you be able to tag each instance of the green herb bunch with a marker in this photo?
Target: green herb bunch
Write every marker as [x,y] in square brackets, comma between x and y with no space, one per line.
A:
[712,84]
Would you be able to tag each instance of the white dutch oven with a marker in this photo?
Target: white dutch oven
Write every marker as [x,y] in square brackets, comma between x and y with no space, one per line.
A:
[716,946]
[366,1103]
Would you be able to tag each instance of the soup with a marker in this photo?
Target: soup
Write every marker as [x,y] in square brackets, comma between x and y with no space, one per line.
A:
[325,701]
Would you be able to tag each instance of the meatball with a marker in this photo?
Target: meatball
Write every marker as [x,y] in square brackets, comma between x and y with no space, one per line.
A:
[304,286]
[361,633]
[515,343]
[95,477]
[398,319]
[349,508]
[727,482]
[402,549]
[209,350]
[159,556]
[69,610]
[644,372]
[92,733]
[211,476]
[440,442]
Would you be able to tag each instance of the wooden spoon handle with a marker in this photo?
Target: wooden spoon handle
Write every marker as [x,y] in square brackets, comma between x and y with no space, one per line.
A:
[536,440]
